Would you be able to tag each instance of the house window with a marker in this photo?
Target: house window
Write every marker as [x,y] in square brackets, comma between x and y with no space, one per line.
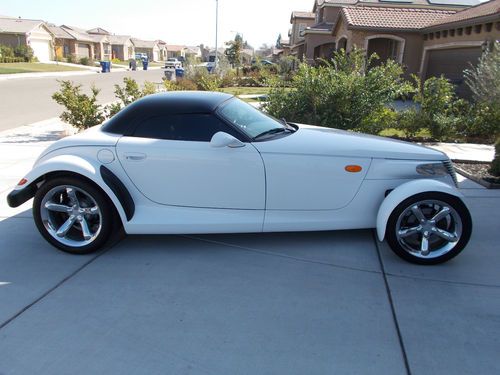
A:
[460,31]
[438,35]
[426,37]
[477,28]
[65,50]
[489,26]
[452,32]
[468,30]
[445,33]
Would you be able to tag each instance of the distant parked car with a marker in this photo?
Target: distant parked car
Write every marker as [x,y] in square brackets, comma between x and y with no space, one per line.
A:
[141,56]
[173,63]
[194,162]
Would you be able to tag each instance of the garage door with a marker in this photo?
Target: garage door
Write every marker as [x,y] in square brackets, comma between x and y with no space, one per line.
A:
[83,50]
[451,63]
[41,49]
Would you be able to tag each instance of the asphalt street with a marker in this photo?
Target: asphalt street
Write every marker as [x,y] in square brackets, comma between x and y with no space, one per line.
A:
[27,100]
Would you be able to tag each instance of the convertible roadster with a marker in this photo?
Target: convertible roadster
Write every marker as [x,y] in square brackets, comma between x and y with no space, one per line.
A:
[198,162]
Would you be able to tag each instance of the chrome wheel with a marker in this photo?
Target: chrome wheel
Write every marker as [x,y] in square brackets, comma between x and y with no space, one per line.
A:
[71,216]
[429,229]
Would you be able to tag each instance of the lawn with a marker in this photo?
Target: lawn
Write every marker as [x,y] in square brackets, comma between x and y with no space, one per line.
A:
[11,68]
[246,90]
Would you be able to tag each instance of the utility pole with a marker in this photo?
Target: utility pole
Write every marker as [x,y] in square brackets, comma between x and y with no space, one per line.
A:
[216,32]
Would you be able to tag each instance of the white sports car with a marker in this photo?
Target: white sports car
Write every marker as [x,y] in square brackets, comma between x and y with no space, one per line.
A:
[198,162]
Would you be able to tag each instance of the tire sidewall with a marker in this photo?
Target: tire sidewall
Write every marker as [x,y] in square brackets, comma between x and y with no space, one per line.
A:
[102,201]
[451,200]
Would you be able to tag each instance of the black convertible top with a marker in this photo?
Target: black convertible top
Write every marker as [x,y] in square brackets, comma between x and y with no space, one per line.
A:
[168,103]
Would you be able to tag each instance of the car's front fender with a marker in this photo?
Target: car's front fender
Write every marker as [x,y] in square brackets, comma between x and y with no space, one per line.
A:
[61,164]
[405,191]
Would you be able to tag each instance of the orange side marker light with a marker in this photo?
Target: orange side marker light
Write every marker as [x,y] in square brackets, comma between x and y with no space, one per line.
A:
[353,168]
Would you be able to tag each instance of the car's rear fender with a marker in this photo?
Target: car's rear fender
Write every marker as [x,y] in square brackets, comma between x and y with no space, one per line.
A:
[407,190]
[69,165]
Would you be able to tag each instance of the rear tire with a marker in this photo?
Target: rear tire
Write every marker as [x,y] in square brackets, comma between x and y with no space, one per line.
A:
[73,215]
[429,228]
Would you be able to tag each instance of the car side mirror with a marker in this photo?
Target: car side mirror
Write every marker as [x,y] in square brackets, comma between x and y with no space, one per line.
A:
[221,139]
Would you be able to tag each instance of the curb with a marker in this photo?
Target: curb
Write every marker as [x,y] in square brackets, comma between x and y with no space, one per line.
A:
[480,181]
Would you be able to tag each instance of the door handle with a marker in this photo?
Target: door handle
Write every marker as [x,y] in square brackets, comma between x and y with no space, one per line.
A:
[135,156]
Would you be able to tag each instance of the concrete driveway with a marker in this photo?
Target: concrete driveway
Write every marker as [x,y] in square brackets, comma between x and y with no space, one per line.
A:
[288,303]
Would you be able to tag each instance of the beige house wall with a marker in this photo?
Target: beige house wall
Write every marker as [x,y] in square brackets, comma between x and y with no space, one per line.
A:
[315,40]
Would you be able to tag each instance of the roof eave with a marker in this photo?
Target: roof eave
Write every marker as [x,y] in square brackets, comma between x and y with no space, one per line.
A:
[463,23]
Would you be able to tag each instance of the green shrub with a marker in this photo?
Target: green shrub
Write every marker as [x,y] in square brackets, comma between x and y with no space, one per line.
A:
[6,51]
[71,58]
[341,93]
[86,61]
[129,93]
[484,79]
[24,52]
[495,165]
[82,110]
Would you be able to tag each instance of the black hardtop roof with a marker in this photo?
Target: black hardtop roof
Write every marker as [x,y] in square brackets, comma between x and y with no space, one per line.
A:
[167,103]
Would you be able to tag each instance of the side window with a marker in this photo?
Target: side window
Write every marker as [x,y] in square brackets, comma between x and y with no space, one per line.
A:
[187,127]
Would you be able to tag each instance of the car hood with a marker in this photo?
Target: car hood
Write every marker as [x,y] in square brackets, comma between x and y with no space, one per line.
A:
[315,140]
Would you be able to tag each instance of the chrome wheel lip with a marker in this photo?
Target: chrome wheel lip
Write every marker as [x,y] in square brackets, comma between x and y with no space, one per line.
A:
[75,216]
[427,229]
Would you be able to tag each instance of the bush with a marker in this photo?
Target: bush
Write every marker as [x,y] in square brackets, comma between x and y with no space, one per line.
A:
[24,52]
[82,111]
[341,93]
[484,79]
[129,93]
[6,51]
[495,166]
[86,61]
[71,58]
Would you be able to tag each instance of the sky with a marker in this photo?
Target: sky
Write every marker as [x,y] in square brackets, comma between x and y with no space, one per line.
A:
[187,22]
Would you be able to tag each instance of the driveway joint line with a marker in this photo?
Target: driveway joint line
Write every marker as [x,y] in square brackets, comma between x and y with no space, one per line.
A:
[464,283]
[270,253]
[393,309]
[60,283]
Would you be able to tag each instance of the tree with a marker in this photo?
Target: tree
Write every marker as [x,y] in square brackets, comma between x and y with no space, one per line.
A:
[233,51]
[278,42]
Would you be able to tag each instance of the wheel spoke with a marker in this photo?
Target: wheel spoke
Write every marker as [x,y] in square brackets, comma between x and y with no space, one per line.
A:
[85,229]
[403,233]
[418,213]
[450,237]
[63,230]
[58,207]
[441,214]
[424,246]
[72,196]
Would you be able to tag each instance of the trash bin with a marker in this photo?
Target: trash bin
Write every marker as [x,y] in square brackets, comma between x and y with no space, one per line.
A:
[179,72]
[105,66]
[132,64]
[145,64]
[170,74]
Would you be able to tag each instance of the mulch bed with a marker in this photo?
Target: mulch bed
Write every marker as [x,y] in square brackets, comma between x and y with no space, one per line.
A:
[478,172]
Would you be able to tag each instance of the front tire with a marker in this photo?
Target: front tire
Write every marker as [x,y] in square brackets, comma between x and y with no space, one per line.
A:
[429,228]
[73,215]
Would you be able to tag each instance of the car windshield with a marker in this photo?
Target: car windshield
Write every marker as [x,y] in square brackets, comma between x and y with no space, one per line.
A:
[251,121]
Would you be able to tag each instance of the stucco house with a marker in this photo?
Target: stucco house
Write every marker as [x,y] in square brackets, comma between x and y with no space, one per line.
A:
[453,43]
[122,47]
[149,47]
[16,32]
[300,21]
[64,43]
[175,51]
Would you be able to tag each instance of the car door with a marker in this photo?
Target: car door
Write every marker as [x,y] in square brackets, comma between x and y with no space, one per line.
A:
[171,161]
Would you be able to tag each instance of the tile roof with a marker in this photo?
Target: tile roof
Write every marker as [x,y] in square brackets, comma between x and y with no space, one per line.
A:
[490,8]
[143,43]
[175,48]
[118,39]
[78,34]
[18,25]
[59,32]
[392,18]
[98,30]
